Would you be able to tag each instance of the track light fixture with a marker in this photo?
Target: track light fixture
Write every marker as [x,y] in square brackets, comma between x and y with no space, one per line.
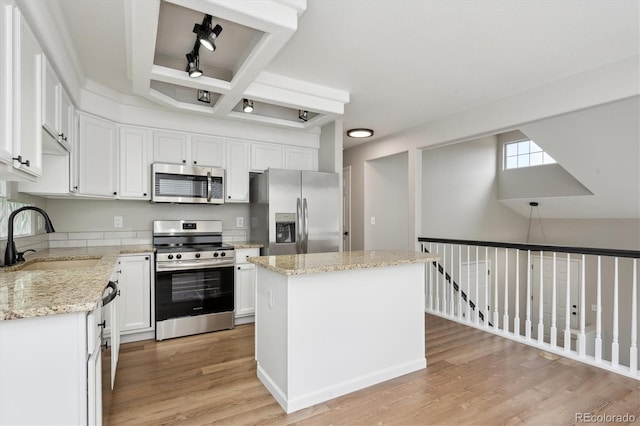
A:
[206,34]
[193,61]
[303,115]
[247,105]
[204,96]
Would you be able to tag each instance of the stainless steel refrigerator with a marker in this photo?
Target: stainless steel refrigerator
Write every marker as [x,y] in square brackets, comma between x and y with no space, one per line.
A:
[295,211]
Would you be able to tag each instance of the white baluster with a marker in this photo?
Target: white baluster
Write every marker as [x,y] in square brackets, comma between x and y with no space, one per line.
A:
[477,282]
[451,294]
[496,317]
[485,307]
[527,321]
[554,329]
[468,307]
[437,272]
[505,318]
[516,314]
[567,328]
[582,338]
[445,302]
[430,281]
[598,341]
[541,302]
[615,345]
[633,350]
[459,281]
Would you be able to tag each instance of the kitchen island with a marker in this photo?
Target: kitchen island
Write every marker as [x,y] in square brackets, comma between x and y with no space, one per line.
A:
[331,323]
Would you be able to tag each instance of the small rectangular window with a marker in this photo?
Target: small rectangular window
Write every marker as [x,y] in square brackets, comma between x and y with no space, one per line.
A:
[525,154]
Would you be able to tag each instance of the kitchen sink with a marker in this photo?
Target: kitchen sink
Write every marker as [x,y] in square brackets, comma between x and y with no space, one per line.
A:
[44,265]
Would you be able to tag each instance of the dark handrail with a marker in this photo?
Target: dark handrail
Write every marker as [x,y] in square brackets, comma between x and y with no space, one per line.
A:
[537,247]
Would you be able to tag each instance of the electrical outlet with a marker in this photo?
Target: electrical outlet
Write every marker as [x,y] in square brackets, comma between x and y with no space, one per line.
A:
[373,220]
[594,308]
[239,222]
[117,221]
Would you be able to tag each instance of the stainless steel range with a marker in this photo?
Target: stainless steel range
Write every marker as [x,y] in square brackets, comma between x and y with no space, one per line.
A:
[194,278]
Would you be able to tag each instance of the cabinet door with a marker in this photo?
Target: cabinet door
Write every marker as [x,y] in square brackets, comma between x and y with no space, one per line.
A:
[97,157]
[265,155]
[298,158]
[134,146]
[245,289]
[6,83]
[170,147]
[66,118]
[27,129]
[50,99]
[207,151]
[237,176]
[135,292]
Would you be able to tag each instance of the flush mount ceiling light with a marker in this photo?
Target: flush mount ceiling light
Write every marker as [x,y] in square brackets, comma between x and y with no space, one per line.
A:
[193,61]
[204,96]
[360,133]
[247,105]
[206,34]
[303,115]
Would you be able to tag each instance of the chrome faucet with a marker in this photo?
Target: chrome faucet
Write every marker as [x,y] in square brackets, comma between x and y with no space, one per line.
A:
[11,255]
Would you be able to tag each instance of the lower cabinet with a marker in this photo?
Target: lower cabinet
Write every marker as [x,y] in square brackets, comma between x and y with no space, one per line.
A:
[245,280]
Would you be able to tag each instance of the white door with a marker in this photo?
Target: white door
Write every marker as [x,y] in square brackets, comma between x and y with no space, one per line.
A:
[561,293]
[135,165]
[135,287]
[346,208]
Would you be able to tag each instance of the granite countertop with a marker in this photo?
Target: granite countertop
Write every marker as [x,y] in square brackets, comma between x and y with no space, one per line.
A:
[245,244]
[25,294]
[297,264]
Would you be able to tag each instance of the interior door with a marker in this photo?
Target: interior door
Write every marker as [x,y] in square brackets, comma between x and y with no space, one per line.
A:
[321,211]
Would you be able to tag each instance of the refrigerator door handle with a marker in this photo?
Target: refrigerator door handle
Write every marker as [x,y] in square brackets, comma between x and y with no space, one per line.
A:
[298,226]
[305,213]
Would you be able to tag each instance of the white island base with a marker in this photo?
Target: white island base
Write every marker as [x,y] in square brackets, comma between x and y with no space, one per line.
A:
[322,335]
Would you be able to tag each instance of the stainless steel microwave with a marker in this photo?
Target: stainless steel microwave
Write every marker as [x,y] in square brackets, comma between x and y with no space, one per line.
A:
[176,183]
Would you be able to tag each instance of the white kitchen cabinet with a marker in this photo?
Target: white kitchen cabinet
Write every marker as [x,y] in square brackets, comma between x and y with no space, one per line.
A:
[45,377]
[57,112]
[265,155]
[208,151]
[300,158]
[237,176]
[98,169]
[134,146]
[136,297]
[6,82]
[245,281]
[171,147]
[27,68]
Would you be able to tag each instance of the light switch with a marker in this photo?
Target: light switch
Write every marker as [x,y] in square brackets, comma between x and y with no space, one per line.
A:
[117,221]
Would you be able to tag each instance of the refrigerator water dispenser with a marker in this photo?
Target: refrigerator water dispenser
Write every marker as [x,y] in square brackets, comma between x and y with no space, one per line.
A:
[285,228]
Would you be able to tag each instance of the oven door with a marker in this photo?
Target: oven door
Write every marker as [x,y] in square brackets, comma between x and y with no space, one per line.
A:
[190,292]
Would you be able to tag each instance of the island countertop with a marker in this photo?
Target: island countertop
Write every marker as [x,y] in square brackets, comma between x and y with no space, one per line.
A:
[25,294]
[297,264]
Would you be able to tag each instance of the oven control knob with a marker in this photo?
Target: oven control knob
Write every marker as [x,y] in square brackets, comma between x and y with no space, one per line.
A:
[178,256]
[197,255]
[170,257]
[223,254]
[215,254]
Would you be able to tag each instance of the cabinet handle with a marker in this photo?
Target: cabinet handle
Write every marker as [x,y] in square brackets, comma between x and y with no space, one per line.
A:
[146,258]
[19,160]
[144,195]
[195,162]
[106,345]
[103,324]
[115,193]
[184,161]
[75,187]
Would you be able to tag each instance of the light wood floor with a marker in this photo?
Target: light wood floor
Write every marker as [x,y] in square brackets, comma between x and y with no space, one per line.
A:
[472,378]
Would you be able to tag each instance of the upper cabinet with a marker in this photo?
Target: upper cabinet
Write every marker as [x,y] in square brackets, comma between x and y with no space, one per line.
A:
[26,120]
[237,173]
[300,158]
[6,83]
[57,112]
[134,145]
[97,151]
[265,155]
[208,151]
[183,148]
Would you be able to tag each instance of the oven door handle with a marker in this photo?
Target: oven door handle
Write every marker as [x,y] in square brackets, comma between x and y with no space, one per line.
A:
[161,267]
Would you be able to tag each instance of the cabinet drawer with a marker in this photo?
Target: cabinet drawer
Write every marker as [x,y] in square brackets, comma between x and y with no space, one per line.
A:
[242,254]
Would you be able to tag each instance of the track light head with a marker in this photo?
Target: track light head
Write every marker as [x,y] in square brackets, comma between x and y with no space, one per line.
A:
[193,62]
[204,96]
[247,105]
[303,115]
[206,35]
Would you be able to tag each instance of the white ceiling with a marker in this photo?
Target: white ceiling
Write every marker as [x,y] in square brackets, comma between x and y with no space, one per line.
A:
[402,63]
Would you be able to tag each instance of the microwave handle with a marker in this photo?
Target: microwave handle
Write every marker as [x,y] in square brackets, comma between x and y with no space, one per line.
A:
[209,190]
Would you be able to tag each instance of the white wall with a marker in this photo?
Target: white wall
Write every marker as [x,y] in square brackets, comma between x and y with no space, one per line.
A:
[459,194]
[386,202]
